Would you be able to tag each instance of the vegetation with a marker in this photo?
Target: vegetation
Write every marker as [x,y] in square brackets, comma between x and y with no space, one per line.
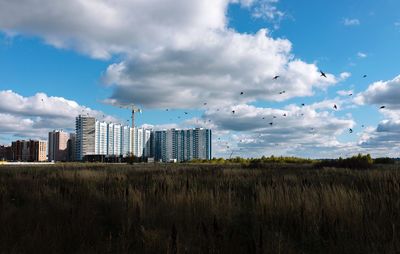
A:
[199,208]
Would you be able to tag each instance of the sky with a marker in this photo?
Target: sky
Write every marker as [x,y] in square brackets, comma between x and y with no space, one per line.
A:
[211,64]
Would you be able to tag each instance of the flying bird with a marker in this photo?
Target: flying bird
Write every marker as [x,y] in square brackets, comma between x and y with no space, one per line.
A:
[205,103]
[186,113]
[233,111]
[282,92]
[273,116]
[351,94]
[303,104]
[263,118]
[166,110]
[382,107]
[323,74]
[351,130]
[364,76]
[276,77]
[271,123]
[284,114]
[241,93]
[334,106]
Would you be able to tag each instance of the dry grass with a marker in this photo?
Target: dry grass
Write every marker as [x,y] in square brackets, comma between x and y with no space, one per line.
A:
[198,209]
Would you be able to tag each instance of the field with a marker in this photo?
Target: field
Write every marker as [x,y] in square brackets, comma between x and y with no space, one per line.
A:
[198,208]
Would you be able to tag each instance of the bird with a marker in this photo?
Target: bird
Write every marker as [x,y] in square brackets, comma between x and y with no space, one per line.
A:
[271,123]
[282,92]
[351,130]
[166,110]
[363,125]
[241,93]
[263,118]
[351,94]
[323,74]
[276,77]
[273,116]
[205,103]
[284,114]
[364,76]
[186,113]
[334,106]
[217,109]
[219,138]
[303,104]
[382,107]
[233,111]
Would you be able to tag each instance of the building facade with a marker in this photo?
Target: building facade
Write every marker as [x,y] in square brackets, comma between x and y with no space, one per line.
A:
[29,150]
[85,128]
[58,146]
[181,145]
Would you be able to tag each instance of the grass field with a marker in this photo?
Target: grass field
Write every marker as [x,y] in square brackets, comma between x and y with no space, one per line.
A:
[198,208]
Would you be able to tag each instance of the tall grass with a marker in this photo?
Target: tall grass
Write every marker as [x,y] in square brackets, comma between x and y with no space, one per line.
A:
[197,208]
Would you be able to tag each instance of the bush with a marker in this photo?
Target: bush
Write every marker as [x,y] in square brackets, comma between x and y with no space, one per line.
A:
[355,162]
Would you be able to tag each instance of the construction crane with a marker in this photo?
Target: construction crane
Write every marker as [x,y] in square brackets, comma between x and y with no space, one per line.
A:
[134,109]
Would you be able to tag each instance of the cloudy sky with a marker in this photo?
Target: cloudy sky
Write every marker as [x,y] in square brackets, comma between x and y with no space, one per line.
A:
[212,64]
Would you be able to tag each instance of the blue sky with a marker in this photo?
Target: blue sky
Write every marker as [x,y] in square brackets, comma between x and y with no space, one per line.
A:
[80,60]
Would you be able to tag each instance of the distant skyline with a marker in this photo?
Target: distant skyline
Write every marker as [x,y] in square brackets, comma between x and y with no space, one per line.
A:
[194,63]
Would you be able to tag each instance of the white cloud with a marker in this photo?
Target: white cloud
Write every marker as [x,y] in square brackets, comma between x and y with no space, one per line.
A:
[175,53]
[34,116]
[382,93]
[345,92]
[344,76]
[362,55]
[351,22]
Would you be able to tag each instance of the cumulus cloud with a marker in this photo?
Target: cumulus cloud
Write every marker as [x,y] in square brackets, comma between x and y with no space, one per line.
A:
[385,93]
[215,72]
[294,128]
[35,115]
[175,53]
[351,22]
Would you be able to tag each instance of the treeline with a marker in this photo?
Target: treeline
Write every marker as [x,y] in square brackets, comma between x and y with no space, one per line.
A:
[256,161]
[358,161]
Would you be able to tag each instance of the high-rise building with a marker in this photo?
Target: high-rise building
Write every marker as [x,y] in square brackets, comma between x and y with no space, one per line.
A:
[31,150]
[85,136]
[72,147]
[101,138]
[5,153]
[126,141]
[181,145]
[58,146]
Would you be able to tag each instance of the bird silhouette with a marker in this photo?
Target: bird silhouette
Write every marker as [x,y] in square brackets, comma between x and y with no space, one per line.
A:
[323,74]
[205,103]
[166,110]
[284,114]
[186,113]
[334,106]
[282,92]
[303,104]
[233,111]
[382,107]
[351,94]
[276,77]
[351,130]
[271,123]
[263,118]
[241,93]
[364,76]
[273,116]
